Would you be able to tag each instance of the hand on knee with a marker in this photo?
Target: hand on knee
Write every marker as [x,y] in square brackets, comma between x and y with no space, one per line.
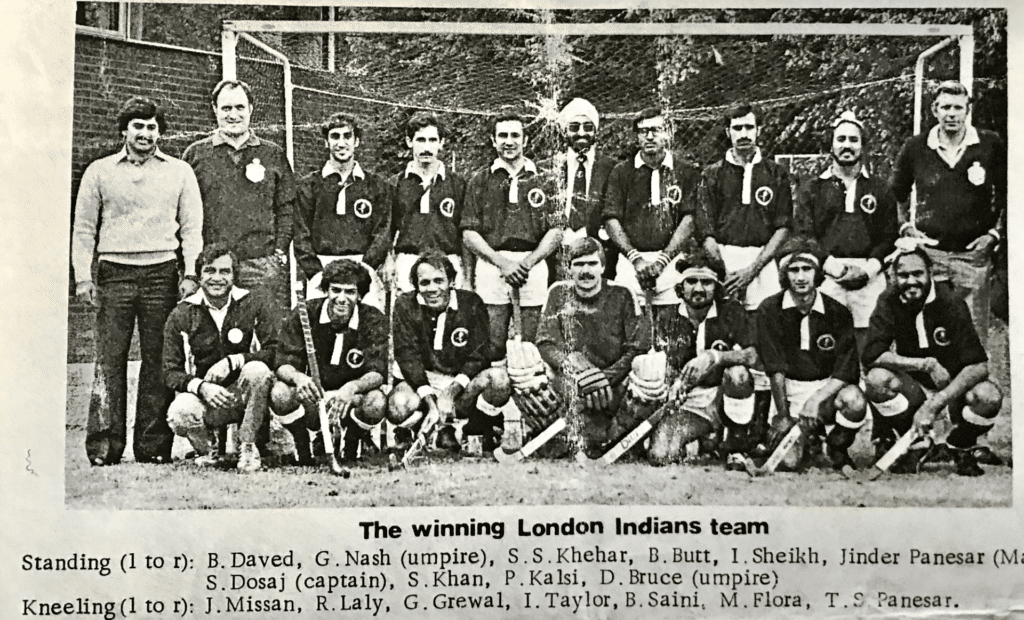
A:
[881,385]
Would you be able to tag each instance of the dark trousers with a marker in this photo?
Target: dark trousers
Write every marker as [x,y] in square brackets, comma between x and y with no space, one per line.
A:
[128,295]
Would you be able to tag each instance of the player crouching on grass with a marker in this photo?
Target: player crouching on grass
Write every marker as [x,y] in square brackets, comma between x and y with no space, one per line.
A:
[212,360]
[442,342]
[350,343]
[938,362]
[807,344]
[710,352]
[590,332]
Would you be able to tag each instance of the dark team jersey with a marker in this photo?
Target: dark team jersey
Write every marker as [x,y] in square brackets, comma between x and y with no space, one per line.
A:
[438,227]
[343,355]
[513,226]
[830,350]
[608,328]
[461,347]
[628,200]
[363,228]
[868,232]
[948,333]
[720,210]
[726,327]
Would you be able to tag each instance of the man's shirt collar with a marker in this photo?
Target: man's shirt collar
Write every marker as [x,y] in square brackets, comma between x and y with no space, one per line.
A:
[829,173]
[712,313]
[332,167]
[730,157]
[500,163]
[453,301]
[411,168]
[218,139]
[818,305]
[325,318]
[199,297]
[122,155]
[970,138]
[667,162]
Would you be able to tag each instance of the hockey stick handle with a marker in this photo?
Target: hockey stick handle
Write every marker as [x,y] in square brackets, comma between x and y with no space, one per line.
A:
[314,373]
[533,445]
[897,450]
[420,442]
[782,449]
[517,314]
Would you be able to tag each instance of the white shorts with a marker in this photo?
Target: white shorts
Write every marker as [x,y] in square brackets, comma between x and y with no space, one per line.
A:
[493,289]
[700,401]
[664,286]
[764,285]
[861,302]
[403,269]
[797,393]
[374,298]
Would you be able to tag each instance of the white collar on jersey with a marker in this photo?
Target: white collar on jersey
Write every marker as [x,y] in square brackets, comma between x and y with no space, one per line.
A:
[818,305]
[528,166]
[331,167]
[199,297]
[353,323]
[410,168]
[712,313]
[453,301]
[668,162]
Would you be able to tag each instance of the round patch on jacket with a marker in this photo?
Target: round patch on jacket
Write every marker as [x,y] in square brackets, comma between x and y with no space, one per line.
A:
[976,173]
[868,203]
[674,194]
[719,345]
[447,207]
[235,335]
[255,171]
[362,208]
[940,337]
[826,342]
[460,337]
[536,197]
[355,358]
[764,195]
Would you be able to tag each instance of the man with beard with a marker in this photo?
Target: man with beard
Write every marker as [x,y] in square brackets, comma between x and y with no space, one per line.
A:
[583,171]
[853,215]
[442,337]
[744,214]
[648,212]
[428,202]
[959,173]
[350,344]
[248,195]
[343,212]
[210,360]
[590,332]
[938,362]
[506,225]
[136,209]
[710,352]
[807,344]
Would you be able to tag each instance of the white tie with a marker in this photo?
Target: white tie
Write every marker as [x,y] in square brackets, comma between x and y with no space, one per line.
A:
[701,337]
[340,208]
[656,187]
[748,178]
[425,202]
[805,333]
[851,196]
[513,189]
[439,331]
[339,346]
[922,335]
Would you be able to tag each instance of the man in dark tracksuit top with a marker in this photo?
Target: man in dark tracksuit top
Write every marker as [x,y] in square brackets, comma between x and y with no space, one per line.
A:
[853,216]
[218,348]
[248,195]
[343,211]
[428,203]
[582,171]
[936,349]
[442,338]
[350,342]
[806,342]
[959,172]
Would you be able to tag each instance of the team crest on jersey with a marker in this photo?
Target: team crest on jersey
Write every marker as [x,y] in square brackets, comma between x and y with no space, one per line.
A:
[940,337]
[719,345]
[764,195]
[674,194]
[255,171]
[362,208]
[460,337]
[826,342]
[976,173]
[235,335]
[355,358]
[868,203]
[448,207]
[536,197]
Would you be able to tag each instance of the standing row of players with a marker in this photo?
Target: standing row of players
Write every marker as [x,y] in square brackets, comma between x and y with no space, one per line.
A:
[517,226]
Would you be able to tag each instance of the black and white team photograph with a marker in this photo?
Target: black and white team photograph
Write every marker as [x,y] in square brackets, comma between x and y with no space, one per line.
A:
[355,257]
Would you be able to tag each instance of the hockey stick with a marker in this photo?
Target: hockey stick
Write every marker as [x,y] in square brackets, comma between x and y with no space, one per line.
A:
[776,457]
[420,443]
[314,372]
[626,442]
[895,452]
[531,446]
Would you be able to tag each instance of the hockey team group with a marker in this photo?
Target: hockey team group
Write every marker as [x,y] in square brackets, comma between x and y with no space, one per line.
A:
[644,309]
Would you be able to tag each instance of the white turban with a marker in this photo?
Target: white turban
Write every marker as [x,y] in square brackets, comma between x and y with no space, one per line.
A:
[577,107]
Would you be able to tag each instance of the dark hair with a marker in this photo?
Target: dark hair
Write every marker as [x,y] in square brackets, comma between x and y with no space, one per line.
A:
[801,244]
[213,251]
[506,116]
[345,271]
[952,87]
[586,246]
[221,85]
[438,261]
[740,109]
[140,108]
[422,120]
[700,258]
[917,251]
[341,119]
[645,114]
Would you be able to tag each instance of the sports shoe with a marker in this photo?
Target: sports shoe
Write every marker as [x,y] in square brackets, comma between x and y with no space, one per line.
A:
[985,455]
[839,458]
[967,464]
[249,458]
[735,462]
[447,440]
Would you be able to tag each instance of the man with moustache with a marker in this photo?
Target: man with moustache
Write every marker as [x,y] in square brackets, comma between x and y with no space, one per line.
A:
[590,332]
[135,211]
[648,212]
[428,202]
[852,214]
[710,352]
[350,344]
[343,212]
[959,172]
[744,214]
[442,338]
[583,171]
[506,225]
[210,362]
[938,362]
[248,195]
[806,341]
